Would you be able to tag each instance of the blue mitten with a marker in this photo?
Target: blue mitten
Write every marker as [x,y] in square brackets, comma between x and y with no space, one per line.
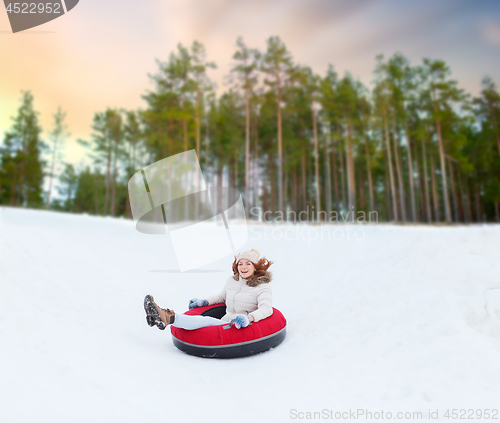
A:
[195,302]
[241,321]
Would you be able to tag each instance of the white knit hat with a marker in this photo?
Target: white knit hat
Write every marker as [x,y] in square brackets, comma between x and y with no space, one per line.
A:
[252,255]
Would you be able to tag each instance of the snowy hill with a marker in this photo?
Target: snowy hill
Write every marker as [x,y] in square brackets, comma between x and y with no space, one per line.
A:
[401,319]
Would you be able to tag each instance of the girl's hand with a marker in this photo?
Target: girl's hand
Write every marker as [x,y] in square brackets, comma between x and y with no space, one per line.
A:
[195,302]
[241,321]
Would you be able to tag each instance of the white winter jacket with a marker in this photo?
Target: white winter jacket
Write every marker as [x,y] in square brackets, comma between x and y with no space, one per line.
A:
[252,296]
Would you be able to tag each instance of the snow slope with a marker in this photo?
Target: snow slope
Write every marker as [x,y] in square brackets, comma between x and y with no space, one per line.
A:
[400,319]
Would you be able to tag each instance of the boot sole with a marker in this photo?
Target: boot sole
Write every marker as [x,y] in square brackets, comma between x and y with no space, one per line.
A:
[153,317]
[151,321]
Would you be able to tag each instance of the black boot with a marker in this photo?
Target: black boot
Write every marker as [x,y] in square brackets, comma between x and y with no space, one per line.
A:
[156,315]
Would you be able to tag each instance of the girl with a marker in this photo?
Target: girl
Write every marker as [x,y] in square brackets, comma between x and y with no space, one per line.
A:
[247,295]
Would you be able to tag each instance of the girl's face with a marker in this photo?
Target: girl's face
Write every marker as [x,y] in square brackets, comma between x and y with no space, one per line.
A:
[246,268]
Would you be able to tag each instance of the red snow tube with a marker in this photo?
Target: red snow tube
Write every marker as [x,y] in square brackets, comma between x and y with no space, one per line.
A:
[228,342]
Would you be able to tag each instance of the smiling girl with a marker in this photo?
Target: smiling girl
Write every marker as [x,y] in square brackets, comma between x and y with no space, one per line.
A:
[247,295]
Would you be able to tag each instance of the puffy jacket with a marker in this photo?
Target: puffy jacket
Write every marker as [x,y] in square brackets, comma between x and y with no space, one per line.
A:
[246,296]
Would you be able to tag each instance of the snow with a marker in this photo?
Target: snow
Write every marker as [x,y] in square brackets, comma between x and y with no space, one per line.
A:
[380,317]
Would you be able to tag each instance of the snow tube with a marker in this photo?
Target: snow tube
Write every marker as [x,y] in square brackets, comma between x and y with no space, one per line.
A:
[228,342]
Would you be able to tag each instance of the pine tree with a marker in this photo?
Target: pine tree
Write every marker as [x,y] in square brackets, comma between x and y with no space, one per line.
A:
[246,67]
[89,192]
[488,109]
[202,84]
[486,148]
[440,93]
[277,62]
[401,80]
[67,186]
[381,98]
[330,114]
[310,83]
[348,100]
[21,167]
[57,136]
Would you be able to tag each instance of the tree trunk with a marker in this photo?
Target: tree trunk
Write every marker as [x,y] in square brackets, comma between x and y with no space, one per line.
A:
[316,158]
[304,179]
[198,150]
[410,174]
[208,173]
[369,170]
[350,169]
[280,167]
[184,120]
[108,174]
[342,173]
[13,186]
[328,188]
[247,147]
[463,198]
[469,199]
[285,191]
[479,216]
[134,145]
[265,199]
[387,189]
[399,172]
[51,174]
[335,173]
[361,190]
[234,177]
[481,205]
[419,194]
[391,172]
[207,144]
[96,190]
[197,124]
[310,184]
[171,135]
[426,184]
[272,183]
[113,194]
[70,191]
[220,171]
[443,162]
[22,184]
[453,193]
[294,192]
[434,190]
[256,178]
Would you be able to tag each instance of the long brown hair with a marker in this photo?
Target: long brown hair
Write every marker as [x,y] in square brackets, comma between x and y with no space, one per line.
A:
[260,267]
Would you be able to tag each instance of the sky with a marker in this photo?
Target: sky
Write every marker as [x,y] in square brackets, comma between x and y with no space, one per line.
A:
[99,55]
